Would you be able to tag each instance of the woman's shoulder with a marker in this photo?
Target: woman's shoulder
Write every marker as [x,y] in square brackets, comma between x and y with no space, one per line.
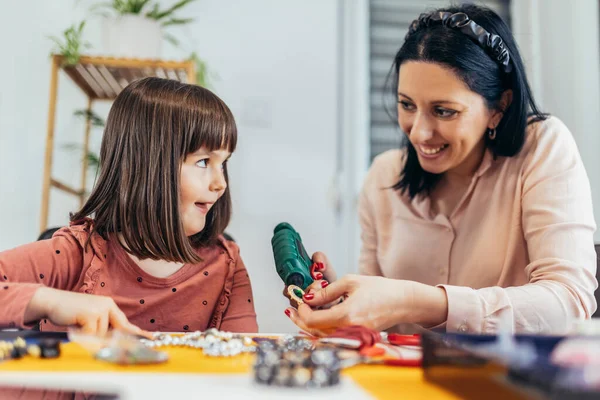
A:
[549,148]
[385,169]
[545,134]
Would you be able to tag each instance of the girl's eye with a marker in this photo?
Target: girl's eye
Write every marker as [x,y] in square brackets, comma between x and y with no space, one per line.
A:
[444,112]
[203,163]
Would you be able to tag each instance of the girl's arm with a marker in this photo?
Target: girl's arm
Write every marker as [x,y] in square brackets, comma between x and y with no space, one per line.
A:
[55,263]
[240,315]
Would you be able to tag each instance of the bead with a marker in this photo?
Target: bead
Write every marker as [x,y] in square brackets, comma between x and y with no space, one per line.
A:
[19,349]
[17,352]
[213,342]
[263,374]
[283,376]
[49,348]
[301,376]
[19,342]
[292,361]
[320,376]
[34,350]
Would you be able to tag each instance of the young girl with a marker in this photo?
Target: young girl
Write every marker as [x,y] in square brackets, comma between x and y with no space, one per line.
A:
[153,257]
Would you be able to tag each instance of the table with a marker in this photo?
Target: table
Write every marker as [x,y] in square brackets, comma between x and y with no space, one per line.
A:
[189,372]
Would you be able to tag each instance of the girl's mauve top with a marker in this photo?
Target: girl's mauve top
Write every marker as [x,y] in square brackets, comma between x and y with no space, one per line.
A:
[213,293]
[519,246]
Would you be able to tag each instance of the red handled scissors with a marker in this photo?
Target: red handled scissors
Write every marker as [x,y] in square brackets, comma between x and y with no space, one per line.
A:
[404,340]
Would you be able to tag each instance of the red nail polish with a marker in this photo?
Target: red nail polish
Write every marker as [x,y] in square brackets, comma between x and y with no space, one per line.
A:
[324,284]
[287,312]
[320,265]
[309,296]
[319,275]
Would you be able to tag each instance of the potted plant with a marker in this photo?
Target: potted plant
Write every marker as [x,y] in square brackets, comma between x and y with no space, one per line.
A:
[136,28]
[71,45]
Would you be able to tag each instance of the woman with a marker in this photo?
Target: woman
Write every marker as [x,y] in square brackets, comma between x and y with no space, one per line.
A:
[486,211]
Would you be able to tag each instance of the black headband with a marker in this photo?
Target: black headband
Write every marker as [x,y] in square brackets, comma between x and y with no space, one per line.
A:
[491,43]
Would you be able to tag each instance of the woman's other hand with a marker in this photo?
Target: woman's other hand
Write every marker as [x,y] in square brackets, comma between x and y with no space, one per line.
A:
[372,301]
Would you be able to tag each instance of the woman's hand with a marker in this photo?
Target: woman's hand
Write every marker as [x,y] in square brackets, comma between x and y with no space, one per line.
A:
[375,302]
[322,273]
[93,314]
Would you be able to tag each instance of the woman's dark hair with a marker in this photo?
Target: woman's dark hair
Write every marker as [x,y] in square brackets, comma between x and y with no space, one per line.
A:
[152,126]
[480,68]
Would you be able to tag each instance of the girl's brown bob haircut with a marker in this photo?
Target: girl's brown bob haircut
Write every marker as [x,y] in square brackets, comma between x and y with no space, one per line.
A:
[152,126]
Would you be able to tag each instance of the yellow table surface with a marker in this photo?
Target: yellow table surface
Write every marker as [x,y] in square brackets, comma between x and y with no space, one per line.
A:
[382,382]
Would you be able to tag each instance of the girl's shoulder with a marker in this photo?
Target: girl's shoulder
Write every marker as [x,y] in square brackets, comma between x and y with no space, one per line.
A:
[226,243]
[82,232]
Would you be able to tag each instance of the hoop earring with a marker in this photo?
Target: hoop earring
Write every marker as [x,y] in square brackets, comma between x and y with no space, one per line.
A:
[492,133]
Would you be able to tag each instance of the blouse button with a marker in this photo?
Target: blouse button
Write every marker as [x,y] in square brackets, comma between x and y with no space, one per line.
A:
[463,328]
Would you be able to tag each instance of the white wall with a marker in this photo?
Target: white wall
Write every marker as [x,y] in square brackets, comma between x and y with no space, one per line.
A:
[24,83]
[277,67]
[561,49]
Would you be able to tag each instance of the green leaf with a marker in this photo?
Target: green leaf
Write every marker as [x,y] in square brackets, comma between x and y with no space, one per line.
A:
[91,116]
[71,44]
[178,21]
[171,39]
[152,13]
[202,71]
[169,11]
[92,158]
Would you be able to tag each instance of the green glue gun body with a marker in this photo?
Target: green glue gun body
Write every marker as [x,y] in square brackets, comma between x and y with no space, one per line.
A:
[291,260]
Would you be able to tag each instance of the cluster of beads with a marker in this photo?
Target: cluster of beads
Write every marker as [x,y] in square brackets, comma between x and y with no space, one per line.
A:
[213,342]
[18,349]
[294,362]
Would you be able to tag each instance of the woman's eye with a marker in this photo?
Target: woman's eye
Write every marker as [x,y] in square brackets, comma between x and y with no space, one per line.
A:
[444,112]
[203,163]
[406,105]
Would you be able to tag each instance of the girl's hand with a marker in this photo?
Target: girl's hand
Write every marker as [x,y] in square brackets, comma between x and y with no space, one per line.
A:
[93,314]
[372,301]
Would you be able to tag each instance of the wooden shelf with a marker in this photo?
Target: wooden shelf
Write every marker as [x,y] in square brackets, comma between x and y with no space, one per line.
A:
[103,78]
